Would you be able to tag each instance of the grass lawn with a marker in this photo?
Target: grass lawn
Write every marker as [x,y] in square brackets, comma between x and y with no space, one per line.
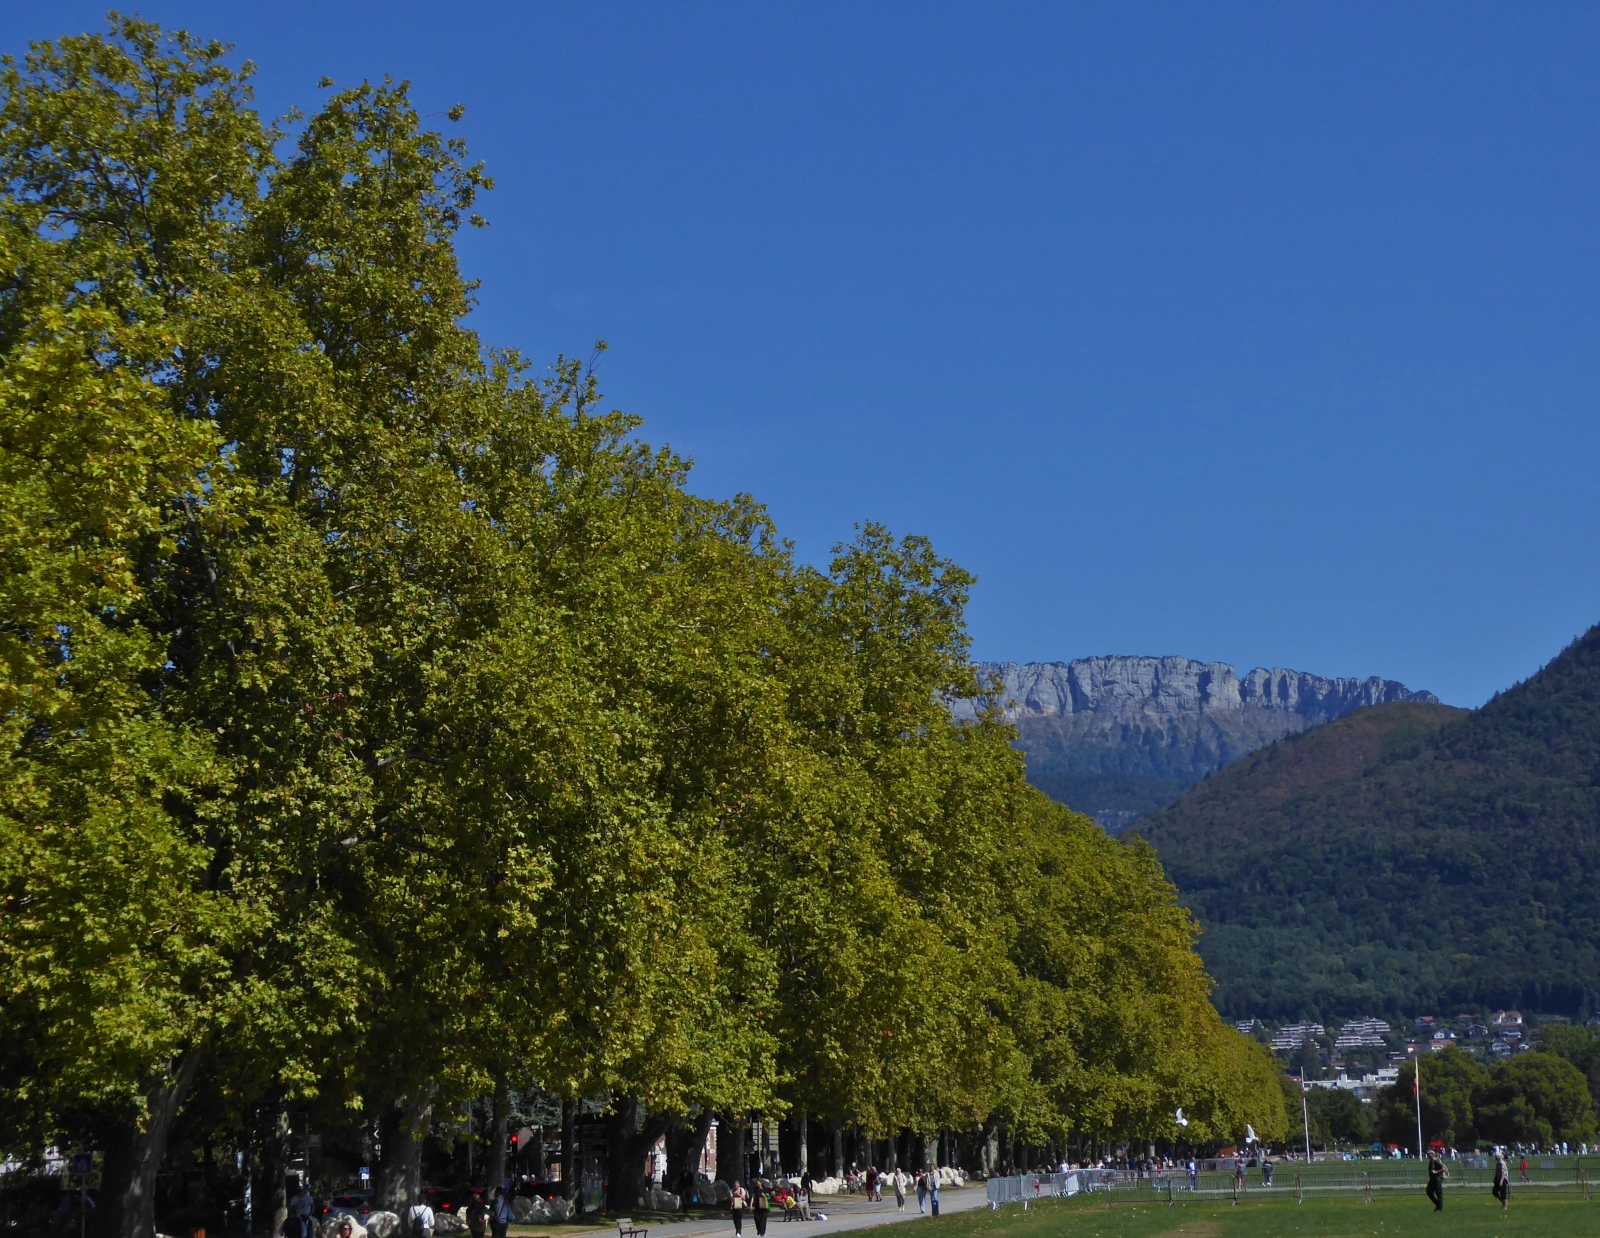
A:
[1390,1216]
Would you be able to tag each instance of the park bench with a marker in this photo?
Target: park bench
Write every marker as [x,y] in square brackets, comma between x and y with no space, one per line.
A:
[625,1229]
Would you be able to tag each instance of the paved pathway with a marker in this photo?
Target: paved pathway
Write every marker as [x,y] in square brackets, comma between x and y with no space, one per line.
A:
[844,1212]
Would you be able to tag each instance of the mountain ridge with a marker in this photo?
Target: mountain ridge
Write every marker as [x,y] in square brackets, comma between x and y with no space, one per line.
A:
[1118,736]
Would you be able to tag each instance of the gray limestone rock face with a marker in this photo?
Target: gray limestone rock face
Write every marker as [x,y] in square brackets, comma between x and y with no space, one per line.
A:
[1118,737]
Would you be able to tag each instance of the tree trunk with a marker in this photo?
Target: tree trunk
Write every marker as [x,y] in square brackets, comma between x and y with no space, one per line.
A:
[275,1168]
[498,1137]
[135,1158]
[805,1146]
[403,1128]
[630,1139]
[837,1168]
[571,1165]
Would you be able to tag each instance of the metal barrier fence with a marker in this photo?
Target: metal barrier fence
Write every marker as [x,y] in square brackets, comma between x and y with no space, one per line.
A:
[1347,1178]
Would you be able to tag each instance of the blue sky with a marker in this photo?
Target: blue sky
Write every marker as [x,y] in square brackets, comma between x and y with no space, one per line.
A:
[1261,333]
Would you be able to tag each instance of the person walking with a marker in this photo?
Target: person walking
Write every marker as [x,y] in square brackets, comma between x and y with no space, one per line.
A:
[1501,1189]
[685,1188]
[1524,1179]
[501,1213]
[737,1202]
[1238,1172]
[299,1224]
[1194,1174]
[1266,1169]
[760,1205]
[477,1218]
[419,1220]
[922,1190]
[1436,1176]
[933,1191]
[899,1191]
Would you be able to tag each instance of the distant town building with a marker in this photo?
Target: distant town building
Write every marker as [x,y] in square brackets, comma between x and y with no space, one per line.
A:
[1362,1034]
[1364,1088]
[1248,1026]
[1296,1035]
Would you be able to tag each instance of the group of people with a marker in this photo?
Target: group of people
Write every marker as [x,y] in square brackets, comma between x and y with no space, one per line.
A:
[758,1199]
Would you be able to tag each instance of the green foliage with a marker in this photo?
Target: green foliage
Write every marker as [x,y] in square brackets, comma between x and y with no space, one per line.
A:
[1406,857]
[1578,1045]
[1535,1098]
[382,726]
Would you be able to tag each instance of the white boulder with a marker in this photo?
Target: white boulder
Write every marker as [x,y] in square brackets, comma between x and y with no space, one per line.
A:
[383,1224]
[449,1223]
[658,1200]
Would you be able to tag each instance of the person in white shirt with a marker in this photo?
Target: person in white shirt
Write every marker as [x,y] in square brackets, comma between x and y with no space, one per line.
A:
[419,1221]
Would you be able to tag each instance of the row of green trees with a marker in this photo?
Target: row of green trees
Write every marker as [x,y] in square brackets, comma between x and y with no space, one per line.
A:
[1538,1098]
[385,726]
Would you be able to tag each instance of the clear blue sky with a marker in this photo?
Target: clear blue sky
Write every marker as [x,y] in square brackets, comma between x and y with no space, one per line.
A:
[1256,333]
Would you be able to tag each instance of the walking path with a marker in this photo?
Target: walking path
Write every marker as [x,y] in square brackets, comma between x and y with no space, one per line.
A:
[844,1212]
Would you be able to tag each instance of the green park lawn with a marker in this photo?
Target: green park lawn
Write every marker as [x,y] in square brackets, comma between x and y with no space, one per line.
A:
[1390,1216]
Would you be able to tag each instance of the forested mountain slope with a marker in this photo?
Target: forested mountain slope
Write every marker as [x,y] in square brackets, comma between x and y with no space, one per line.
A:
[1405,858]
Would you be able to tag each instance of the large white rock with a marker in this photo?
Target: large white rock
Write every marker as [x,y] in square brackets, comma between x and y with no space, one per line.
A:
[827,1186]
[383,1224]
[658,1200]
[449,1223]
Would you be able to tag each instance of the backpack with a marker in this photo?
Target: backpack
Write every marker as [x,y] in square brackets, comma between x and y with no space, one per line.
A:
[417,1226]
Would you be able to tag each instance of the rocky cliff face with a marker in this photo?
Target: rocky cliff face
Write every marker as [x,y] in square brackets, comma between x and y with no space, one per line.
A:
[1121,736]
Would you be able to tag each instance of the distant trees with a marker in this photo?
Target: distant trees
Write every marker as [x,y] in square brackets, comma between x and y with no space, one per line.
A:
[1536,1098]
[384,729]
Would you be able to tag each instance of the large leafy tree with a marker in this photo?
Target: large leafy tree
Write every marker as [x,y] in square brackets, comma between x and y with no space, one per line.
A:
[382,726]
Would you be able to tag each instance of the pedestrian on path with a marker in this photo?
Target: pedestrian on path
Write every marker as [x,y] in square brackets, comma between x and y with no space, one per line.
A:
[419,1220]
[1501,1189]
[922,1191]
[760,1205]
[899,1191]
[933,1191]
[477,1218]
[502,1214]
[737,1202]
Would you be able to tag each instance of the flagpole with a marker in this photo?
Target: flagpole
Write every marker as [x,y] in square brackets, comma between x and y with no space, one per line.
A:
[1416,1092]
[1305,1114]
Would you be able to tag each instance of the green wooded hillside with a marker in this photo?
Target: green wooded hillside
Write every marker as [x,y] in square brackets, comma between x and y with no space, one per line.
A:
[1406,858]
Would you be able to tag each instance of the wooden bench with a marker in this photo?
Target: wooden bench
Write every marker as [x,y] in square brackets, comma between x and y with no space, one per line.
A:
[625,1229]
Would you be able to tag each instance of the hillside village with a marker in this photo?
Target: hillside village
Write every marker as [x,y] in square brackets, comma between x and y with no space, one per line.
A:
[1364,1055]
